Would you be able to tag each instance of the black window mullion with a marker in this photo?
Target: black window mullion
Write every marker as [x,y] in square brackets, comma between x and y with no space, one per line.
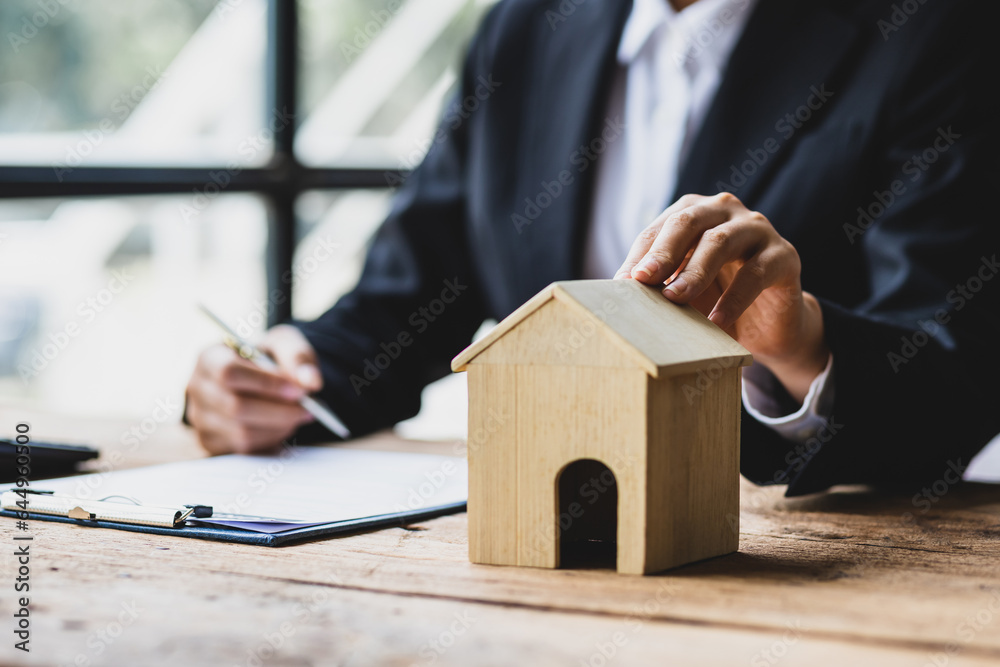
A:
[282,68]
[26,182]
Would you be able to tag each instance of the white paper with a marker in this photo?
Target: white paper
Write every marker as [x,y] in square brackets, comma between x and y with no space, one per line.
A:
[301,486]
[984,466]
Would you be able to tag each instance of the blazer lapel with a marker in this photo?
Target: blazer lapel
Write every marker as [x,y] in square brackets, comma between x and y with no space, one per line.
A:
[571,93]
[785,60]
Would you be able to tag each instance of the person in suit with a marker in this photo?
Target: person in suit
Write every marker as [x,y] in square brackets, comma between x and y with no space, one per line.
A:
[814,177]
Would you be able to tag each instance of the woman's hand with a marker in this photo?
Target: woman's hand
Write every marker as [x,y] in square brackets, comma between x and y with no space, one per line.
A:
[731,264]
[237,406]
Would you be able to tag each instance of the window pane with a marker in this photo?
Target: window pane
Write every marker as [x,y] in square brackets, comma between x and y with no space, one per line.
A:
[335,228]
[98,296]
[139,82]
[375,75]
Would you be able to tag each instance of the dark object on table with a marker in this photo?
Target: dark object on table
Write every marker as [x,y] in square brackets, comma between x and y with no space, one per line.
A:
[48,459]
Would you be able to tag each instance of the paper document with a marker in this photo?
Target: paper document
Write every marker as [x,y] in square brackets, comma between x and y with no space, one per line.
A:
[300,487]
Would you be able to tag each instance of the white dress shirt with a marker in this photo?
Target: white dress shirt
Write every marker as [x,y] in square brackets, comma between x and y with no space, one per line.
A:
[671,65]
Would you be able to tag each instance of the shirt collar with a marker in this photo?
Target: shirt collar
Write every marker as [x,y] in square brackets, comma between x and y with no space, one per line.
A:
[647,16]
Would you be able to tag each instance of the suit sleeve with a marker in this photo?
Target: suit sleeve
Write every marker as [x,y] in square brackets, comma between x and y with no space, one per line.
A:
[916,362]
[418,301]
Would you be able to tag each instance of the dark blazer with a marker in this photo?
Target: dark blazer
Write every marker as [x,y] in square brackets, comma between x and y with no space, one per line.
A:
[866,135]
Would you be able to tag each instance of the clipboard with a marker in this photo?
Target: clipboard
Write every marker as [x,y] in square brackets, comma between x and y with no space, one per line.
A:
[325,490]
[284,538]
[28,501]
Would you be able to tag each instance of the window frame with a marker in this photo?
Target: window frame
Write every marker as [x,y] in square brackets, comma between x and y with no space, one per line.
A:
[279,183]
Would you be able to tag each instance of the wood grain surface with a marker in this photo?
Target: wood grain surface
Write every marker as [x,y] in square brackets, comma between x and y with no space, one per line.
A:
[845,578]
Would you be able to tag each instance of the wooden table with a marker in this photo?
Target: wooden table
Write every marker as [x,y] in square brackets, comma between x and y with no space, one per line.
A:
[844,578]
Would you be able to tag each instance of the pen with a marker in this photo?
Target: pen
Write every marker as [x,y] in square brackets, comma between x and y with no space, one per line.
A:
[321,412]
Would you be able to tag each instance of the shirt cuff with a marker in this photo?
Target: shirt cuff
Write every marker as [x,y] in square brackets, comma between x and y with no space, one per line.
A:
[762,399]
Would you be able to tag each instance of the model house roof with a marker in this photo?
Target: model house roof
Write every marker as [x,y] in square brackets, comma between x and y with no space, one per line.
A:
[660,336]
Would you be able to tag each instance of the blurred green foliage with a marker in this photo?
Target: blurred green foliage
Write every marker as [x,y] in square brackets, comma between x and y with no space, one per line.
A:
[64,63]
[80,55]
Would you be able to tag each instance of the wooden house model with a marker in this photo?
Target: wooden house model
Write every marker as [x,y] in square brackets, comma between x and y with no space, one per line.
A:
[599,410]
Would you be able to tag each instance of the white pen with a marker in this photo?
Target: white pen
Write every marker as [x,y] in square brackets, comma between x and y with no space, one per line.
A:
[321,412]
